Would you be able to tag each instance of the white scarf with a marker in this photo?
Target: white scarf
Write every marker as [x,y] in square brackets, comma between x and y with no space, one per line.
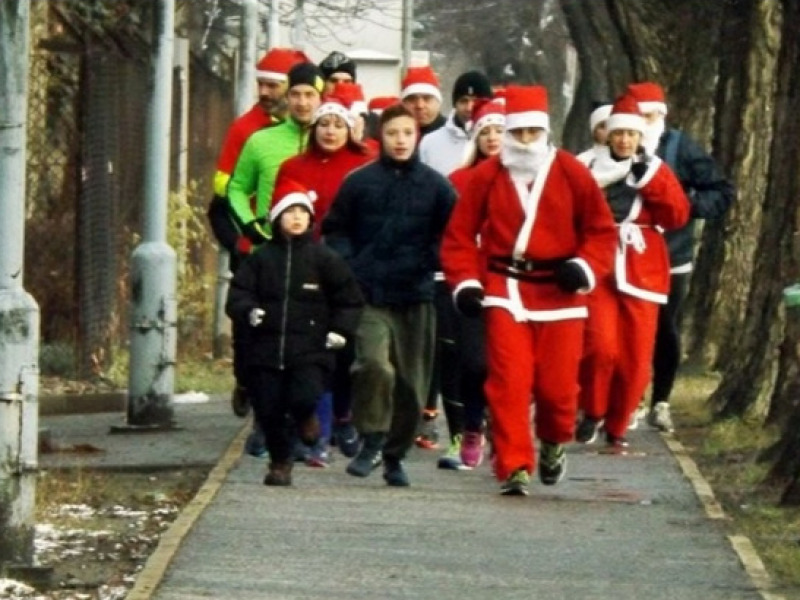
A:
[651,136]
[606,170]
[523,160]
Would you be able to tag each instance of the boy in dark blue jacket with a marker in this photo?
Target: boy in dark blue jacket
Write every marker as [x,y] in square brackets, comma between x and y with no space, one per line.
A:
[300,300]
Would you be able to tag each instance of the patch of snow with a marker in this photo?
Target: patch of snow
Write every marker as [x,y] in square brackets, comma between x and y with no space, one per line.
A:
[191,398]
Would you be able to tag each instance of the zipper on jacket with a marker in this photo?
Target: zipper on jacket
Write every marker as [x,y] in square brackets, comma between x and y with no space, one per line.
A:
[285,317]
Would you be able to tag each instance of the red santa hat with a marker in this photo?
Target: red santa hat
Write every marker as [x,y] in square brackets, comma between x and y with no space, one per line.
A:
[289,193]
[650,97]
[380,103]
[276,63]
[352,95]
[526,106]
[420,80]
[485,113]
[625,114]
[600,113]
[334,105]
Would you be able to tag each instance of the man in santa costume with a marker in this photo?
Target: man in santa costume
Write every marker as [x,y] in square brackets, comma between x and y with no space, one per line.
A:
[548,235]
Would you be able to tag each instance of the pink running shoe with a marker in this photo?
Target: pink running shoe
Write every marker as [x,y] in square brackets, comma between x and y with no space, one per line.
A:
[472,449]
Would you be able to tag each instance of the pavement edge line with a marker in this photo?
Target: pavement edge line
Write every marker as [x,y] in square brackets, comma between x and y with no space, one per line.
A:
[150,577]
[751,561]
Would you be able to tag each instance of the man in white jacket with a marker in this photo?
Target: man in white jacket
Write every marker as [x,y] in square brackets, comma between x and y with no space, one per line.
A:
[443,149]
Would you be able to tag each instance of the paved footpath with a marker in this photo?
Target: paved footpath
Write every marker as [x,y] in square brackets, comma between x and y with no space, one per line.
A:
[618,527]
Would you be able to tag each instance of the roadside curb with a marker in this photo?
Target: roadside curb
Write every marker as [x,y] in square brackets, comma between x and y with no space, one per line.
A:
[150,577]
[751,561]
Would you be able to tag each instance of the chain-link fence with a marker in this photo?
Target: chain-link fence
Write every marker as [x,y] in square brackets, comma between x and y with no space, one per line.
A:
[88,99]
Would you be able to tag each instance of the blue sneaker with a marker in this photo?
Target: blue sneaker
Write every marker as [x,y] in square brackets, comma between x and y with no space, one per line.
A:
[256,445]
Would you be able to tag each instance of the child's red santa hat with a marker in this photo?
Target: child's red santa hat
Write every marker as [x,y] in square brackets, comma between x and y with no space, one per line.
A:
[526,106]
[600,112]
[650,97]
[290,193]
[334,105]
[485,112]
[625,114]
[420,80]
[277,63]
[380,103]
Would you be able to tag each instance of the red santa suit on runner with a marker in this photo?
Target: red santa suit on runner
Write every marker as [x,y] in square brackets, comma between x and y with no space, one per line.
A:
[534,328]
[623,310]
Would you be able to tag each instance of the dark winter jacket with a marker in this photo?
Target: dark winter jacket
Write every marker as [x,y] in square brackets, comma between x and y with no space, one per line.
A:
[387,221]
[306,290]
[710,193]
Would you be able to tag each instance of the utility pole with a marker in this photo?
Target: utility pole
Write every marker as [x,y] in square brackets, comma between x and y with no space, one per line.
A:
[246,76]
[408,23]
[154,306]
[19,313]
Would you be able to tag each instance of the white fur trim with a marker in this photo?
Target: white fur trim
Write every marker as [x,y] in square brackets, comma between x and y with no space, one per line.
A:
[334,108]
[295,198]
[625,121]
[589,275]
[598,115]
[273,75]
[655,106]
[533,118]
[485,121]
[530,204]
[652,168]
[359,107]
[421,88]
[523,314]
[681,269]
[630,289]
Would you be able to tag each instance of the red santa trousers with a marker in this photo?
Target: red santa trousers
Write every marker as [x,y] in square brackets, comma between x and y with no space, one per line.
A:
[539,358]
[618,353]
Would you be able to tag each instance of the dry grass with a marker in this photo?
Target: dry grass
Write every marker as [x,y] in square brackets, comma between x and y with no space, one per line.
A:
[729,456]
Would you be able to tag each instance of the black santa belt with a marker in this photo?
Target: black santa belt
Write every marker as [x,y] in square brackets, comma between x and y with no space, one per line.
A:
[525,269]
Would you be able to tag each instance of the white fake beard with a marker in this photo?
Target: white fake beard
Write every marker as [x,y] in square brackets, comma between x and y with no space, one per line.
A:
[651,136]
[606,170]
[523,160]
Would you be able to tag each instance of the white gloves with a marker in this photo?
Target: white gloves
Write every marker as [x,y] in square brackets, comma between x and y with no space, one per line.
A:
[334,341]
[257,317]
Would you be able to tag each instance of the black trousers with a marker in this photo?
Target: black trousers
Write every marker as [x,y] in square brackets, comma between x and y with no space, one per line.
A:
[282,400]
[667,353]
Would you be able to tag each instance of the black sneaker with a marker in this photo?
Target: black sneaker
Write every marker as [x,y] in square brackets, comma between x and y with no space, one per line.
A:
[240,401]
[586,433]
[393,473]
[346,438]
[365,462]
[516,484]
[552,463]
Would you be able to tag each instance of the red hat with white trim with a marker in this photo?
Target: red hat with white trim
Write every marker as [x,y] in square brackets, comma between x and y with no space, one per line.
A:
[526,106]
[650,97]
[276,63]
[290,193]
[485,113]
[420,80]
[380,103]
[625,114]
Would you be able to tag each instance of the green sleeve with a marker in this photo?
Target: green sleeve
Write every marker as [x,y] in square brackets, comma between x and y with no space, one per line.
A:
[243,182]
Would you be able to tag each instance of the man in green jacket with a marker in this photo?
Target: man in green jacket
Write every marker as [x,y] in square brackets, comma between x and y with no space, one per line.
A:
[265,150]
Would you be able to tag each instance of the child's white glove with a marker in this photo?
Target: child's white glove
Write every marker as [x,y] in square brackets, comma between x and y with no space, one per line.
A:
[257,317]
[334,341]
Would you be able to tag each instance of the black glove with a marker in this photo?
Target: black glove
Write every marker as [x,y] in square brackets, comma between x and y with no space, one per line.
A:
[255,233]
[570,277]
[639,168]
[468,301]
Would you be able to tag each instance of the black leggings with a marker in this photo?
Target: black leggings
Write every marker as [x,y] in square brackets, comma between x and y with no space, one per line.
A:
[667,354]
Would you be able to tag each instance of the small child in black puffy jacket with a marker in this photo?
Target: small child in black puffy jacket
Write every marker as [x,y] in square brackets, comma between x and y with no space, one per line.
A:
[300,301]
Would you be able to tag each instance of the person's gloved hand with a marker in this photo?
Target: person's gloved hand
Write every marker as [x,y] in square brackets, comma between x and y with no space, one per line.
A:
[640,166]
[334,341]
[570,277]
[469,301]
[257,317]
[255,233]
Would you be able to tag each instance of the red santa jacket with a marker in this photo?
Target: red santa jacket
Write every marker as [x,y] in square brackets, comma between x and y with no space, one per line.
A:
[643,209]
[526,233]
[238,133]
[322,172]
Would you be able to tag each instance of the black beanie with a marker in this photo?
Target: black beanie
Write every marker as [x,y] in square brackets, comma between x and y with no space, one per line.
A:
[472,83]
[336,62]
[306,74]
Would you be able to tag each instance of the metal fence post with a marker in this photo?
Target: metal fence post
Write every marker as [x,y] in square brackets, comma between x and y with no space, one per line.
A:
[19,313]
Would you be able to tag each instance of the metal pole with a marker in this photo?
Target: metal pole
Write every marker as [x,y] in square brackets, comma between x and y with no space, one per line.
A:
[153,263]
[408,20]
[19,313]
[274,31]
[243,101]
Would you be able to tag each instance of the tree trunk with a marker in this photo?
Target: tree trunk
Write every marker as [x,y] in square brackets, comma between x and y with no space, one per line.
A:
[751,372]
[743,131]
